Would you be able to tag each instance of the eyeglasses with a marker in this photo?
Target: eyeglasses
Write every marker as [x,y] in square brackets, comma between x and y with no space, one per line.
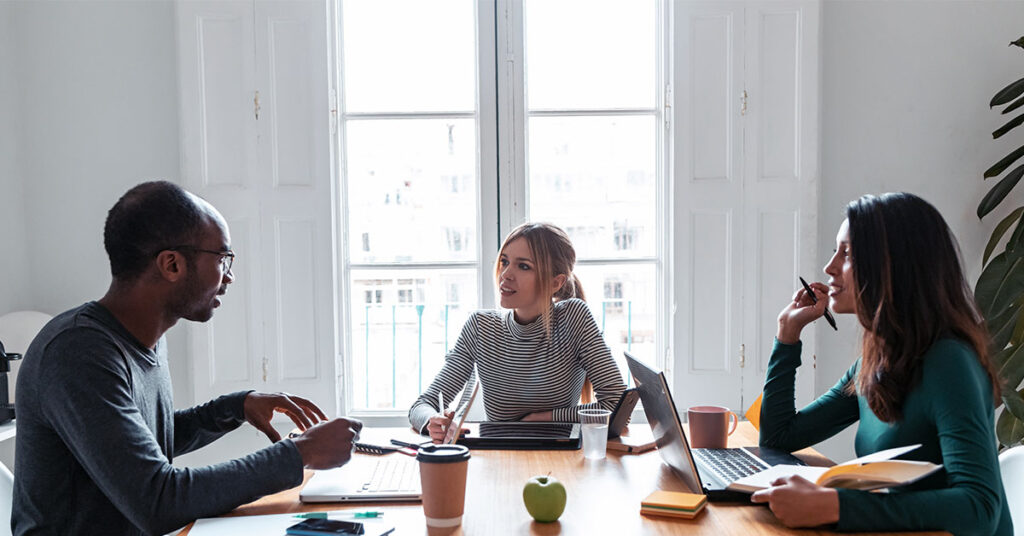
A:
[227,258]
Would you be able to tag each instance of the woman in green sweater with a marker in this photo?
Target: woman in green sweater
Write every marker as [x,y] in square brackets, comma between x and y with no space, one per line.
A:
[924,376]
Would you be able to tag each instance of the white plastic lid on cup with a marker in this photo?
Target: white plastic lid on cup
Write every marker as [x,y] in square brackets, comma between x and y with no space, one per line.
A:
[442,453]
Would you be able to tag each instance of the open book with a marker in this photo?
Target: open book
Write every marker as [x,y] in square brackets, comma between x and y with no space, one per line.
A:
[873,471]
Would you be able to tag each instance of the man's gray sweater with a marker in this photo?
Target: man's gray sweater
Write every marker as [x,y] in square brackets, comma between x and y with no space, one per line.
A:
[97,433]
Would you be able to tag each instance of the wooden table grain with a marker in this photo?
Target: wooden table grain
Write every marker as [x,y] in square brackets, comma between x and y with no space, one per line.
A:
[604,495]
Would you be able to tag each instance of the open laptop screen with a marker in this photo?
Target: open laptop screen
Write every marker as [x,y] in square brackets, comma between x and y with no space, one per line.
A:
[664,420]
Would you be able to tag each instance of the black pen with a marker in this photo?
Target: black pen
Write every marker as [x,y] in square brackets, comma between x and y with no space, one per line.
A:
[412,446]
[814,299]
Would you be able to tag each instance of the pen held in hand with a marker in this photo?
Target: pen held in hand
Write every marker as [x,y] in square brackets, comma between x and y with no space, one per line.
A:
[814,299]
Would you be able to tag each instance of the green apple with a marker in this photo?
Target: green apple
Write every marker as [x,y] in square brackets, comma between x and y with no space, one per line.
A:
[544,497]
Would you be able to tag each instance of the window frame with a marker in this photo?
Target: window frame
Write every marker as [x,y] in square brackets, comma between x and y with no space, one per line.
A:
[502,170]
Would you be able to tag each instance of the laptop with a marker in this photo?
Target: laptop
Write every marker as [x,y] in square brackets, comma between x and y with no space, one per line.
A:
[391,478]
[521,436]
[707,471]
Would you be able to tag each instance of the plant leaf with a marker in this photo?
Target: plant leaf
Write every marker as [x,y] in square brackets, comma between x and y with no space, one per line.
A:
[1014,402]
[988,282]
[1000,329]
[1017,340]
[1000,285]
[1009,429]
[1013,106]
[1001,165]
[1015,245]
[1000,357]
[999,231]
[1000,191]
[1008,93]
[1010,125]
[1012,369]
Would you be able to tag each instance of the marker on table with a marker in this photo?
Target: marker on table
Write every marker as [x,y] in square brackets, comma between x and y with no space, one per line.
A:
[814,299]
[367,514]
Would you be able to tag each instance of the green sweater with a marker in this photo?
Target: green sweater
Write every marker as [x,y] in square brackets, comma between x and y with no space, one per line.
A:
[949,412]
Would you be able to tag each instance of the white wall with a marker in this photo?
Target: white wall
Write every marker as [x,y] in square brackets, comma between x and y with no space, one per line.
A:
[95,111]
[906,86]
[14,274]
[98,113]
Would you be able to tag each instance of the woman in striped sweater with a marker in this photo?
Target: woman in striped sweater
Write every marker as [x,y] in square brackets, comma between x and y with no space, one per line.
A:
[533,358]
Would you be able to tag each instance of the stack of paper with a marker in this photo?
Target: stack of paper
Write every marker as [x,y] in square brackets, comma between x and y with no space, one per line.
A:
[673,504]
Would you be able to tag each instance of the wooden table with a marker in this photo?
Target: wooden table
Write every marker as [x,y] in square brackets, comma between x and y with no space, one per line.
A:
[604,495]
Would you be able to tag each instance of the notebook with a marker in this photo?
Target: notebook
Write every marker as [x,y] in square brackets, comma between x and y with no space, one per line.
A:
[707,471]
[393,477]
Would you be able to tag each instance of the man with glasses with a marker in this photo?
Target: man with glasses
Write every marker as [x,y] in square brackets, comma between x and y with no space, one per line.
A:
[97,430]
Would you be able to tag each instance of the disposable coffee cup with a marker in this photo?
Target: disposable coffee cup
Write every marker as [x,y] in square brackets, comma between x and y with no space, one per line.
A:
[443,480]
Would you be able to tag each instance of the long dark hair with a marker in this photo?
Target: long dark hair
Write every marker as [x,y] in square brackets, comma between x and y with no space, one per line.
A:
[910,291]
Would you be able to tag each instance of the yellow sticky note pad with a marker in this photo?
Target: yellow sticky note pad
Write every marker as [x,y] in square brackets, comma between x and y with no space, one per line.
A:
[673,504]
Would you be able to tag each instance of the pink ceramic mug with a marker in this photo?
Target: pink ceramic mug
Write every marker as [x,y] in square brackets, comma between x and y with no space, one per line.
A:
[709,426]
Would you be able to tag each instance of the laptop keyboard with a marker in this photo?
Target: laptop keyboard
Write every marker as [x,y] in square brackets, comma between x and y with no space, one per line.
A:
[729,464]
[392,474]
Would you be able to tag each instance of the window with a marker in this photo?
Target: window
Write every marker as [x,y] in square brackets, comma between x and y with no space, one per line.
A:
[676,143]
[593,139]
[426,199]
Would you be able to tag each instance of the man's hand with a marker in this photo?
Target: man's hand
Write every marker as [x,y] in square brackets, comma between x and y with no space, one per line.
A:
[328,444]
[260,408]
[798,502]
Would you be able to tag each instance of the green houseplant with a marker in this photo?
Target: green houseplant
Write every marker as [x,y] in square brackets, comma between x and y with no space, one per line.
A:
[1000,289]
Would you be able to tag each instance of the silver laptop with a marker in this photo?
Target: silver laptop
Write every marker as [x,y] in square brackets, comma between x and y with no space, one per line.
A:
[707,471]
[391,478]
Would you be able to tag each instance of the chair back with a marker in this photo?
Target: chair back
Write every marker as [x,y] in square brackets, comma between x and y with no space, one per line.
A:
[6,498]
[1011,466]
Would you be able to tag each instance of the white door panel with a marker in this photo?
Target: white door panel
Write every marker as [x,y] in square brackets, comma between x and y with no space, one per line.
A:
[707,323]
[255,143]
[744,191]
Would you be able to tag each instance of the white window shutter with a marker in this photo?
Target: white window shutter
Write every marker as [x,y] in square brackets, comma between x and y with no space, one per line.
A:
[744,189]
[780,179]
[256,143]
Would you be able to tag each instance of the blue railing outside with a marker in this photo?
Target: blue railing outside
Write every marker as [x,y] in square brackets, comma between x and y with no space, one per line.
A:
[419,310]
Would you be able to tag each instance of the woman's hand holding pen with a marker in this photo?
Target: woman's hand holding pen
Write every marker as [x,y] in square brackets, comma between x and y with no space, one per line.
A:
[801,311]
[438,424]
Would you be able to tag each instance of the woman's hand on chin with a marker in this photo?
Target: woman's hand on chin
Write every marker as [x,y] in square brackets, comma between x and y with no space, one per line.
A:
[800,312]
[539,416]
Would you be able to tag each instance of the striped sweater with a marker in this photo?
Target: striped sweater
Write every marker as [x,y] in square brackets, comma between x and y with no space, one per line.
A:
[522,370]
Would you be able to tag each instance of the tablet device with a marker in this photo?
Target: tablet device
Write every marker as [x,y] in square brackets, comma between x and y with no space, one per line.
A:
[522,435]
[466,402]
[623,410]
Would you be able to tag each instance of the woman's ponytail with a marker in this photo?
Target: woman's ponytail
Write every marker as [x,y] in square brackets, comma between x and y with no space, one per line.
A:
[570,289]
